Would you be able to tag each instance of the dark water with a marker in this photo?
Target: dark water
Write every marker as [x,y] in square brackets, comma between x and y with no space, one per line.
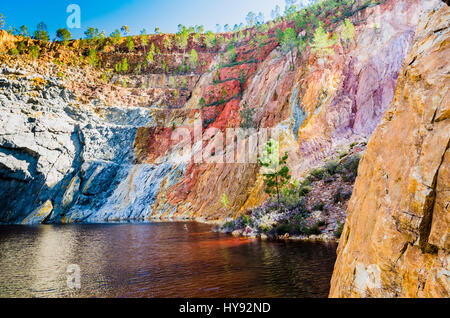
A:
[158,260]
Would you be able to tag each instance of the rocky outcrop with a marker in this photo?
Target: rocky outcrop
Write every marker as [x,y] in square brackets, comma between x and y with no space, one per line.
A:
[320,106]
[395,242]
[56,155]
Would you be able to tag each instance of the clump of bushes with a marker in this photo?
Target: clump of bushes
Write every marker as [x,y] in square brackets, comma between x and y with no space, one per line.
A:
[319,206]
[318,173]
[339,229]
[340,195]
[347,168]
[333,167]
[313,230]
[296,226]
[351,168]
[13,51]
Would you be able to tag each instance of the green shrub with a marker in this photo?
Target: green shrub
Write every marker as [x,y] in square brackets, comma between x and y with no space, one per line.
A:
[21,46]
[231,54]
[130,44]
[332,167]
[292,200]
[247,117]
[283,228]
[351,169]
[319,206]
[229,224]
[264,227]
[304,190]
[92,58]
[307,181]
[343,154]
[34,52]
[318,173]
[339,229]
[245,220]
[321,223]
[13,51]
[352,164]
[313,230]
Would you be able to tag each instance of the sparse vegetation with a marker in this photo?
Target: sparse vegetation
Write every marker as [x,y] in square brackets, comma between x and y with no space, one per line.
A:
[275,170]
[41,33]
[322,43]
[348,31]
[122,67]
[193,59]
[92,58]
[34,52]
[224,201]
[339,229]
[130,44]
[63,35]
[247,117]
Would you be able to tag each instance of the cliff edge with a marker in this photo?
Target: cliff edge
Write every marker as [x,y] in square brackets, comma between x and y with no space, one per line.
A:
[395,242]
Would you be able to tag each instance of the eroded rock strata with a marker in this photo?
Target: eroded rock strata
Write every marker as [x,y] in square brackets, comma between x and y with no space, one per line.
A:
[76,149]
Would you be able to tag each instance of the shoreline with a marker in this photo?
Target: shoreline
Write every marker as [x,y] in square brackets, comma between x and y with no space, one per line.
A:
[260,236]
[303,238]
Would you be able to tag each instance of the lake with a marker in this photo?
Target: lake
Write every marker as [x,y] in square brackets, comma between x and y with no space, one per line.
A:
[157,260]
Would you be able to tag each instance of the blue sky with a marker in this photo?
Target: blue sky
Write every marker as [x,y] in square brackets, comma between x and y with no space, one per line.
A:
[109,15]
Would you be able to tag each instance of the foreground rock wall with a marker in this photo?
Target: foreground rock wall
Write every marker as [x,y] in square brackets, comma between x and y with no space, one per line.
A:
[395,242]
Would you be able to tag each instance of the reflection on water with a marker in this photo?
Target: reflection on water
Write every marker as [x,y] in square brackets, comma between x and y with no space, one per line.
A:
[158,260]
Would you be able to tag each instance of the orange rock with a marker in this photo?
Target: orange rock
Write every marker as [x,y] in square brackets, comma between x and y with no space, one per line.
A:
[395,241]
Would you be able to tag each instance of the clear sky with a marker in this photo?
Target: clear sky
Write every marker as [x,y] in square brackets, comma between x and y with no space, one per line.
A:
[109,15]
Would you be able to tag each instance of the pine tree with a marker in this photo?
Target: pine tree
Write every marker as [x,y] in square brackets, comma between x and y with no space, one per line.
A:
[41,33]
[24,31]
[92,57]
[348,31]
[210,39]
[130,44]
[144,40]
[115,37]
[251,19]
[168,43]
[193,59]
[224,201]
[275,171]
[289,42]
[322,44]
[63,35]
[149,58]
[125,29]
[181,39]
[92,34]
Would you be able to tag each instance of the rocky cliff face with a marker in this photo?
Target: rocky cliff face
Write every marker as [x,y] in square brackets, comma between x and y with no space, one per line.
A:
[395,242]
[75,149]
